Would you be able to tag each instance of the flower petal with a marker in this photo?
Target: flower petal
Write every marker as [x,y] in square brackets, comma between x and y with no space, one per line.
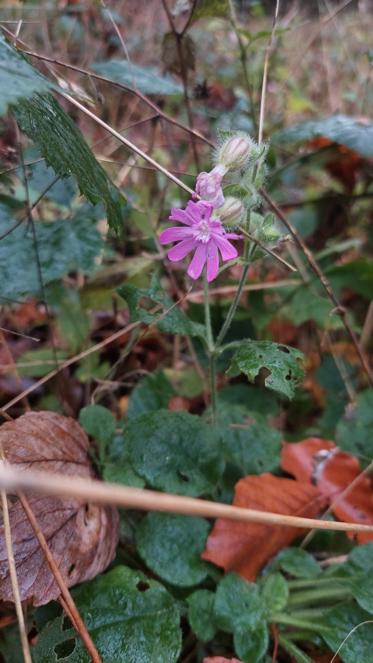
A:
[227,250]
[182,216]
[212,261]
[181,250]
[174,234]
[233,236]
[200,210]
[198,261]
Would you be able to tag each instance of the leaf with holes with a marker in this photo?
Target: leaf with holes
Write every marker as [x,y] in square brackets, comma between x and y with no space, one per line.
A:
[280,366]
[81,537]
[130,617]
[64,148]
[18,78]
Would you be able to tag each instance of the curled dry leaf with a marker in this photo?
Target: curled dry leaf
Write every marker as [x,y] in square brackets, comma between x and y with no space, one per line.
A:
[246,547]
[321,463]
[81,537]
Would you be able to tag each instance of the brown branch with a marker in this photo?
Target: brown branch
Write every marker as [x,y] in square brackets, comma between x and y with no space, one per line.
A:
[43,483]
[339,309]
[68,600]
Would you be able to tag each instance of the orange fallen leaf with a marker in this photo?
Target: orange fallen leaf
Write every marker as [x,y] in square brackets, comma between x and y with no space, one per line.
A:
[82,537]
[246,547]
[321,463]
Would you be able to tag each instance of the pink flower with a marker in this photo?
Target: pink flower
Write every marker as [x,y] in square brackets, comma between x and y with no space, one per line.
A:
[203,235]
[208,186]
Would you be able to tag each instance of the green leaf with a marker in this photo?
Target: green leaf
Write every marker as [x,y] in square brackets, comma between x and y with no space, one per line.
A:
[152,393]
[63,247]
[361,558]
[254,398]
[297,563]
[174,451]
[251,644]
[356,275]
[237,604]
[148,80]
[211,9]
[130,617]
[174,322]
[275,593]
[362,591]
[65,149]
[171,547]
[354,430]
[282,365]
[342,621]
[247,442]
[37,363]
[340,129]
[306,305]
[98,422]
[117,467]
[18,78]
[201,614]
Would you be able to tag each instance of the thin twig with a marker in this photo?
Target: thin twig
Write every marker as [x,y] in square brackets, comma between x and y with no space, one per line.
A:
[339,309]
[43,483]
[77,620]
[267,250]
[265,73]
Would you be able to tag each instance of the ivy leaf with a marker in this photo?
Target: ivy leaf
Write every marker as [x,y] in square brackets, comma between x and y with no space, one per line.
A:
[238,604]
[342,621]
[63,246]
[174,452]
[201,614]
[18,78]
[354,430]
[174,322]
[297,563]
[340,129]
[171,547]
[148,80]
[64,148]
[152,393]
[130,617]
[280,365]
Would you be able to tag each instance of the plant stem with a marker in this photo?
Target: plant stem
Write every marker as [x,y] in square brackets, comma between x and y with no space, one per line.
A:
[211,349]
[317,595]
[297,654]
[233,307]
[312,582]
[291,620]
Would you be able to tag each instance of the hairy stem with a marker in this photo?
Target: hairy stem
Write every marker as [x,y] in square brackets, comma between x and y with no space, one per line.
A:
[211,350]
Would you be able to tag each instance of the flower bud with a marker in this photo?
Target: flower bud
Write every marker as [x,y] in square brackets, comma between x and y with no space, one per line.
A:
[235,151]
[232,212]
[208,186]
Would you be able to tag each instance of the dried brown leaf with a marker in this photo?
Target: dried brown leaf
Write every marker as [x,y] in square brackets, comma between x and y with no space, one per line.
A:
[81,537]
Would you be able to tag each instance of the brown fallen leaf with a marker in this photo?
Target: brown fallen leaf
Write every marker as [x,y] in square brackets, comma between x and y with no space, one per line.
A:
[81,537]
[246,547]
[321,463]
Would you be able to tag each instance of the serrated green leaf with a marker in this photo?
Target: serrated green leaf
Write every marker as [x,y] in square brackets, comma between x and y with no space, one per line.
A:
[18,78]
[174,322]
[130,617]
[282,363]
[251,644]
[171,547]
[201,614]
[357,642]
[98,422]
[148,80]
[340,129]
[275,593]
[174,451]
[238,604]
[64,148]
[297,563]
[152,393]
[63,246]
[354,430]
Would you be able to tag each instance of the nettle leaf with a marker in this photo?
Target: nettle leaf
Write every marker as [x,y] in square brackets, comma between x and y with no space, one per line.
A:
[275,593]
[342,621]
[354,430]
[141,302]
[247,440]
[18,78]
[174,451]
[63,246]
[171,547]
[148,80]
[201,614]
[297,562]
[130,617]
[280,365]
[340,129]
[64,148]
[152,393]
[238,604]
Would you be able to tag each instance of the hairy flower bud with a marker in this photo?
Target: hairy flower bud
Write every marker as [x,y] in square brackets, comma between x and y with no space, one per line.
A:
[208,186]
[235,151]
[232,212]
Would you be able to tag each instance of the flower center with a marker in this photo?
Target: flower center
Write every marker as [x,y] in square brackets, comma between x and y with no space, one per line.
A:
[202,232]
